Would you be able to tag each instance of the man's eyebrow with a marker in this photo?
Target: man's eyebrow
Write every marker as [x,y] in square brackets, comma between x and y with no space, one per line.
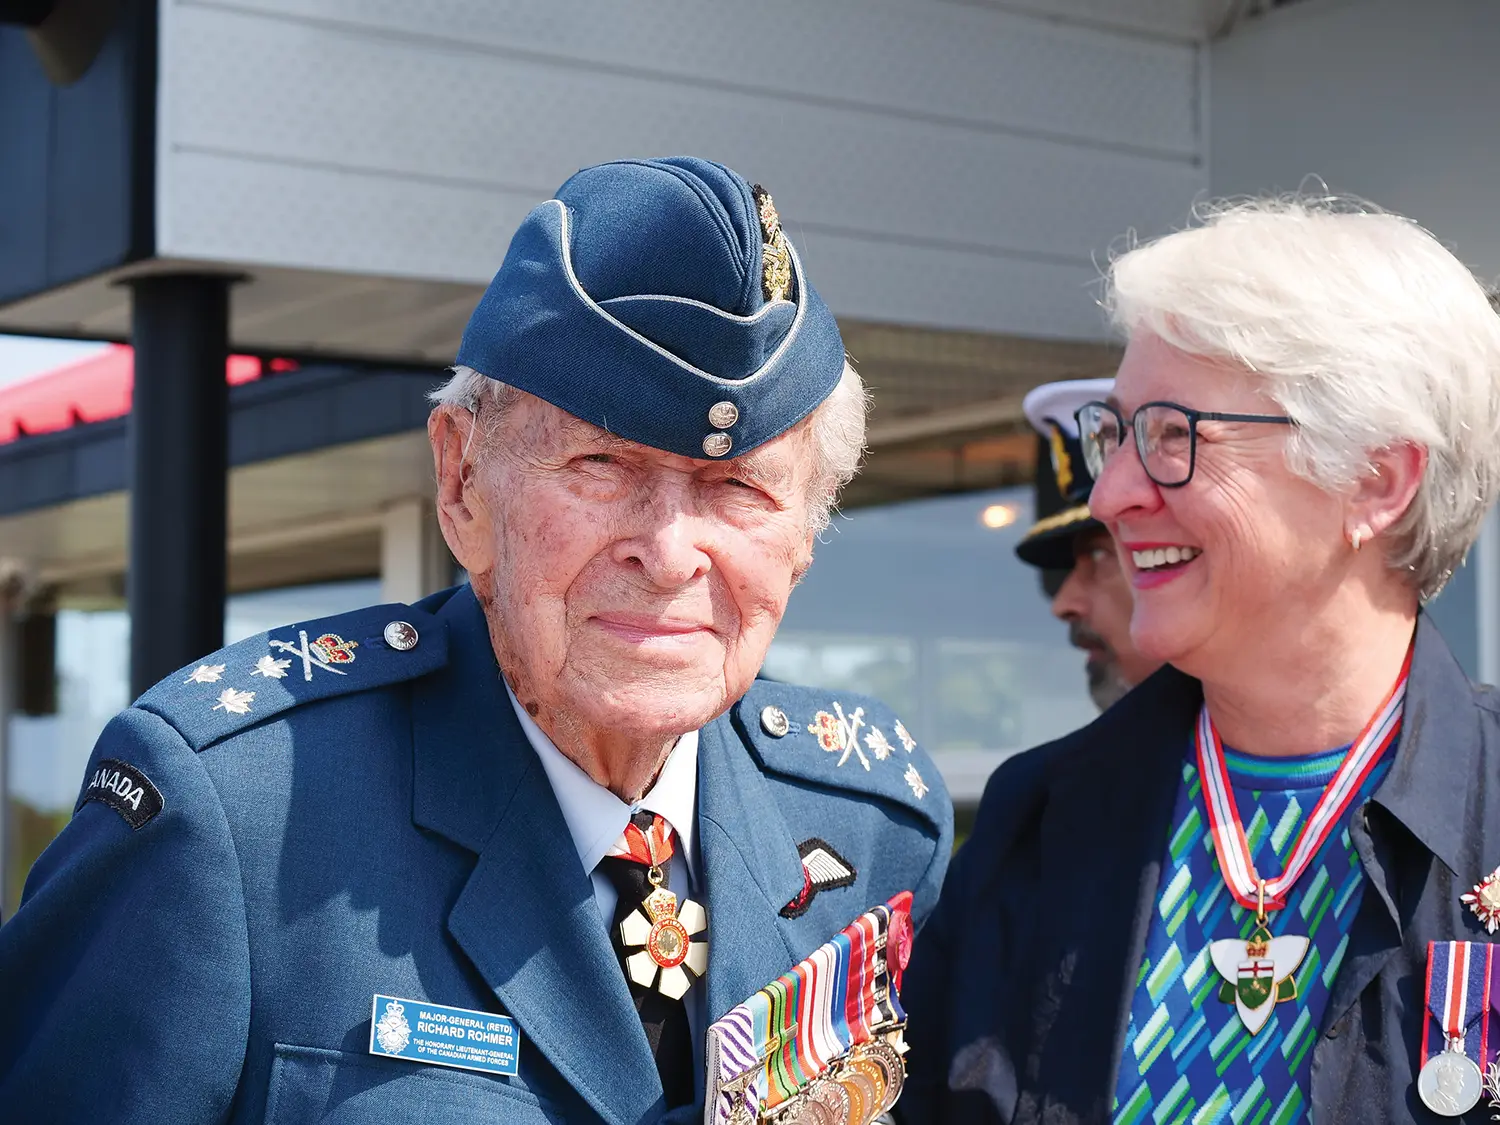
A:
[576,429]
[761,469]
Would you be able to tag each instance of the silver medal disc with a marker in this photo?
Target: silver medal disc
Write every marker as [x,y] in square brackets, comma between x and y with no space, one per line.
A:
[1450,1084]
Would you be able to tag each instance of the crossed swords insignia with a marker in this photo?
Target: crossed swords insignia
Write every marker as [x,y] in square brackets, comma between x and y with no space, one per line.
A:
[317,653]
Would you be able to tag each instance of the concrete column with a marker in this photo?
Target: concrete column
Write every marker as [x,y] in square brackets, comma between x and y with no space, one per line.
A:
[178,436]
[414,560]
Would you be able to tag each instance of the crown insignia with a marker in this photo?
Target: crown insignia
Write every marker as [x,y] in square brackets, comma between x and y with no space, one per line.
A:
[1259,943]
[776,255]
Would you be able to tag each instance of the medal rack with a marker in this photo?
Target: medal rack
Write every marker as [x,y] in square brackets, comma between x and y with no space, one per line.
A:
[854,1090]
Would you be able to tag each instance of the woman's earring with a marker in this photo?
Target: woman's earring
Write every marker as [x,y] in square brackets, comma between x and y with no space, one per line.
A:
[1354,539]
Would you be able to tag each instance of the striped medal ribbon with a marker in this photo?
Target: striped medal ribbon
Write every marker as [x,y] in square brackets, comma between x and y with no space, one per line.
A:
[1230,845]
[1450,1080]
[767,1054]
[651,846]
[1259,970]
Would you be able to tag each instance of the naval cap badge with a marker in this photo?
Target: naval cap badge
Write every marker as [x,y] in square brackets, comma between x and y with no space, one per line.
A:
[1062,464]
[776,255]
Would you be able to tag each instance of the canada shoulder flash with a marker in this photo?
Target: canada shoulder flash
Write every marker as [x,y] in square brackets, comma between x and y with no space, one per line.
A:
[123,788]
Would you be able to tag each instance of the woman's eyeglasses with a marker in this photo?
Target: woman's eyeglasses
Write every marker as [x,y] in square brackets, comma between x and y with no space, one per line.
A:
[1166,437]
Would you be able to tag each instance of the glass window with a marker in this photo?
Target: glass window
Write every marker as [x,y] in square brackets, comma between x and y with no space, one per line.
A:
[924,605]
[48,753]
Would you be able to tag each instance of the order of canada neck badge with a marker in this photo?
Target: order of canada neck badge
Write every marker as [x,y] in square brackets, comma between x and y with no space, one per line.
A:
[673,952]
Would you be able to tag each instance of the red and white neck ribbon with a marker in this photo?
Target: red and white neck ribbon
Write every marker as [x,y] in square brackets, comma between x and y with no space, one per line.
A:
[647,841]
[1230,845]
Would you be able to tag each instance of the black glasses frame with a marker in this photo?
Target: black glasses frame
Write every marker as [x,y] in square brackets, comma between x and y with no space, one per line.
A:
[1193,417]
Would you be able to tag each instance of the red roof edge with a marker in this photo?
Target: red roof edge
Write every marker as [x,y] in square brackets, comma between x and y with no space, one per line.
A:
[94,389]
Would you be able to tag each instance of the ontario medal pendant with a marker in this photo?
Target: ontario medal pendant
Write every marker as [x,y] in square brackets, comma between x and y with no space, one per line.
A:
[1259,971]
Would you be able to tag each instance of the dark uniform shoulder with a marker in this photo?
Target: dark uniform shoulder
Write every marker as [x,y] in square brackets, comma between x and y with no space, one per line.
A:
[273,672]
[842,740]
[1018,788]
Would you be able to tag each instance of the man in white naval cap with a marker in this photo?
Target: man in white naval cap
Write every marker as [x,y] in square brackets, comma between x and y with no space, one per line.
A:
[1075,553]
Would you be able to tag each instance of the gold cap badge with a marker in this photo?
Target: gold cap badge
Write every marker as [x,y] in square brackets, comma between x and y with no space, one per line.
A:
[1062,464]
[776,255]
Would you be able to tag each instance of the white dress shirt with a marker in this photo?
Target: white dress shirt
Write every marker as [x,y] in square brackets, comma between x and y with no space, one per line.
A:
[596,818]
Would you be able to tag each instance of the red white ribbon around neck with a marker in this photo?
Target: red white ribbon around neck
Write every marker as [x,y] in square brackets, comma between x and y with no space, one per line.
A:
[652,847]
[1230,845]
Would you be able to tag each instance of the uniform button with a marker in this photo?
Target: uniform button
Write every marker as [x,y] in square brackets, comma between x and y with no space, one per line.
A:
[722,415]
[716,445]
[401,636]
[774,722]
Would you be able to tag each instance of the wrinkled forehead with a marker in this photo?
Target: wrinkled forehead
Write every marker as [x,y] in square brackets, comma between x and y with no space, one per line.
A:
[777,461]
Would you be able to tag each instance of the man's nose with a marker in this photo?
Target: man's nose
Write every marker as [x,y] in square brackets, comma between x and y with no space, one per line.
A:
[1068,604]
[669,543]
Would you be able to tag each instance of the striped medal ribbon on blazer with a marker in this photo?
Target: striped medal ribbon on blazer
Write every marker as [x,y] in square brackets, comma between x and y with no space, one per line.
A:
[1260,968]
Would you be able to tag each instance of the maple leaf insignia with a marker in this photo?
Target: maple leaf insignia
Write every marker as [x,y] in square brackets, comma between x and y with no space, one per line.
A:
[234,702]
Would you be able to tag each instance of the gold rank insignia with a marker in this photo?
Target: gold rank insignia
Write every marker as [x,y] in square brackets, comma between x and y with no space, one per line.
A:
[776,255]
[1062,464]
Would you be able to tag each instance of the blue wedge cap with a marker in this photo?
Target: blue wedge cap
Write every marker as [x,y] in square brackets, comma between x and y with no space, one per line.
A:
[661,301]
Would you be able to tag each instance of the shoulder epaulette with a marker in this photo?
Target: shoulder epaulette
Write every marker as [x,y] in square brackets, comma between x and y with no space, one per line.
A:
[272,672]
[840,739]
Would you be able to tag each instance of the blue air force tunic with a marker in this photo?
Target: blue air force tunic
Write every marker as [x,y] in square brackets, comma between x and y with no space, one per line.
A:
[270,838]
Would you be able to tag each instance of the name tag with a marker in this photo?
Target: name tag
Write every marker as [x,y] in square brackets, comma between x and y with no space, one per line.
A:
[443,1036]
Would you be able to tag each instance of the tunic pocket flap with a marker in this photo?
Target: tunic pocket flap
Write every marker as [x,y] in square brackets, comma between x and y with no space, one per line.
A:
[311,1084]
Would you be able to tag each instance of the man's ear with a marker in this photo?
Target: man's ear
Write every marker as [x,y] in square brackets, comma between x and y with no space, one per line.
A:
[804,557]
[1384,493]
[462,514]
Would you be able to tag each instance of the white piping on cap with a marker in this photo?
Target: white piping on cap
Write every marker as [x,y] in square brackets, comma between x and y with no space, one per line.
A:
[682,363]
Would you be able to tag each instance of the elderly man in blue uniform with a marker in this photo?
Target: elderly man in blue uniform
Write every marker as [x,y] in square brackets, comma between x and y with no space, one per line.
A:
[541,829]
[1083,580]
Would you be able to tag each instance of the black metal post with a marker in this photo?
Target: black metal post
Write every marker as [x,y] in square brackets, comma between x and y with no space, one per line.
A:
[179,437]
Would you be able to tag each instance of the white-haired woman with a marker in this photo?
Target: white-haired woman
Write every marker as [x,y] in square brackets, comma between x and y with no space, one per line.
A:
[1248,892]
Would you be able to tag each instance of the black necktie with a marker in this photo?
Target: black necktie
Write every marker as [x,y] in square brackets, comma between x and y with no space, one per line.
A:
[664,1019]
